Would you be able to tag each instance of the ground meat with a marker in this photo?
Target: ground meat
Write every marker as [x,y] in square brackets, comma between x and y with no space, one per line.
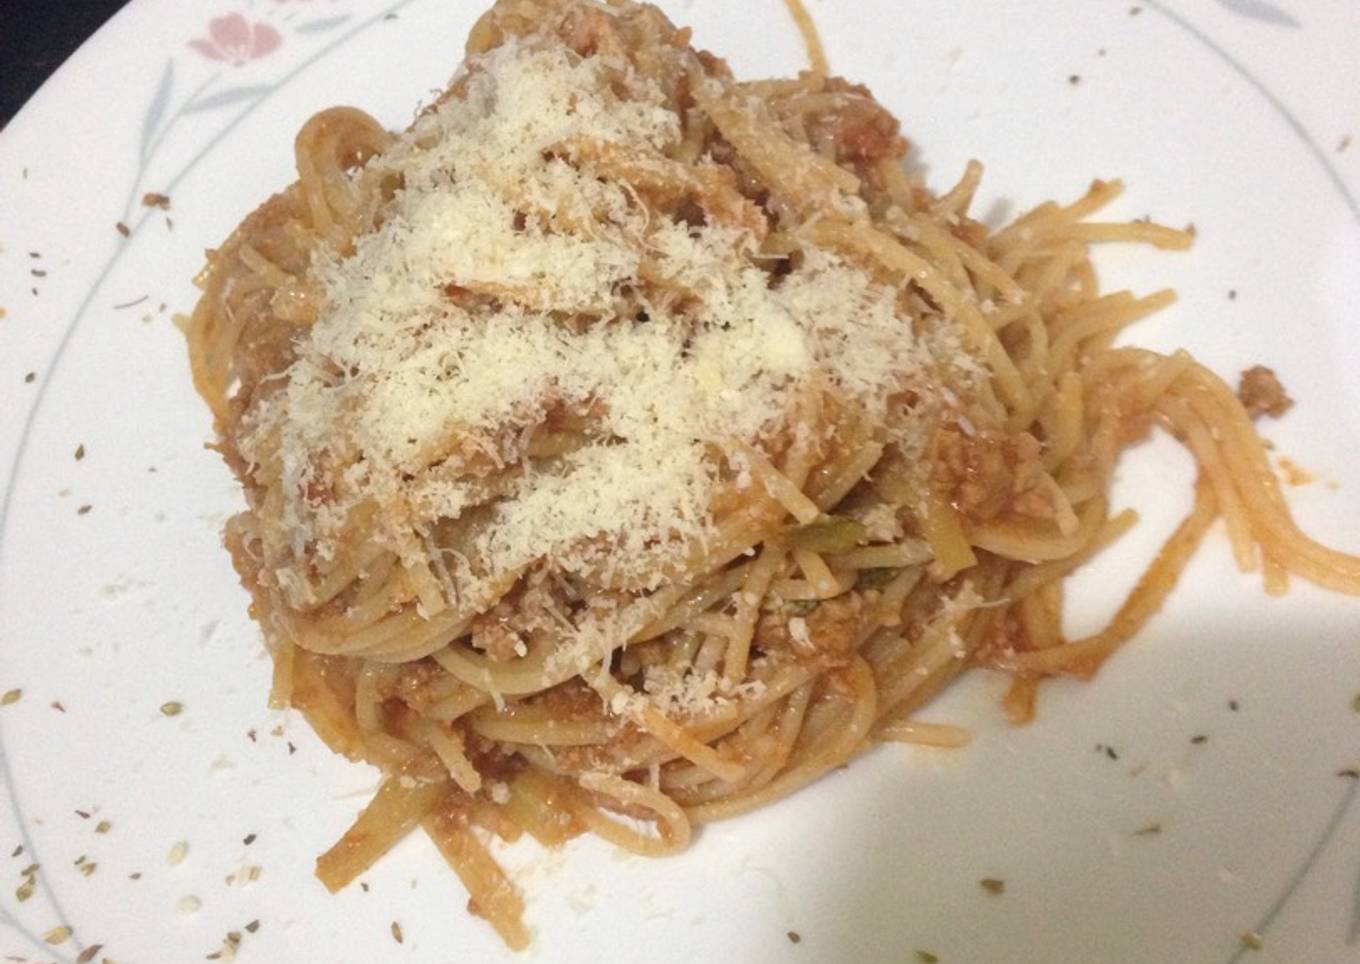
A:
[987,471]
[870,135]
[1007,635]
[414,679]
[573,700]
[1262,394]
[531,612]
[585,28]
[1034,503]
[861,129]
[833,629]
[494,634]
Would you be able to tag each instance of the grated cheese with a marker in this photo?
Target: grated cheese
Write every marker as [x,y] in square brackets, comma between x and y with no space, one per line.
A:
[681,693]
[443,333]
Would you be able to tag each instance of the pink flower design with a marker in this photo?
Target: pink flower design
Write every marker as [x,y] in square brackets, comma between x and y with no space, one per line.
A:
[233,38]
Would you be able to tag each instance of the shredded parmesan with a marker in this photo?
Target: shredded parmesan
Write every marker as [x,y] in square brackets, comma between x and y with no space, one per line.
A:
[442,348]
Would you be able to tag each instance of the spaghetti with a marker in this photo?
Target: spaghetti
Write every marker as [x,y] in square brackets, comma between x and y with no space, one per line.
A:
[627,440]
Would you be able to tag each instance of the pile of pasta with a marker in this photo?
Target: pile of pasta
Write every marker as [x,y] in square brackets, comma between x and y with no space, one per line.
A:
[854,560]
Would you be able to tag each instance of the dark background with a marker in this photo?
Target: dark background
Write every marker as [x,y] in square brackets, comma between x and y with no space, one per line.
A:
[36,42]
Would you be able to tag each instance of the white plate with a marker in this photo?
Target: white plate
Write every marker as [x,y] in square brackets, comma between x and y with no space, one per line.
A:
[1228,114]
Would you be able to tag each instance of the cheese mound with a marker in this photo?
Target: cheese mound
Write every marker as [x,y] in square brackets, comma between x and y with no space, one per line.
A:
[516,284]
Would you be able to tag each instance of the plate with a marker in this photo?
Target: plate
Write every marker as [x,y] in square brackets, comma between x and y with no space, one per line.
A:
[1186,797]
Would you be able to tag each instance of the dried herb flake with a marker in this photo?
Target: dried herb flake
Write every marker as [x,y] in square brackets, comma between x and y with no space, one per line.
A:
[57,935]
[177,853]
